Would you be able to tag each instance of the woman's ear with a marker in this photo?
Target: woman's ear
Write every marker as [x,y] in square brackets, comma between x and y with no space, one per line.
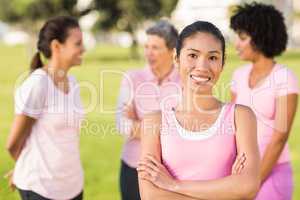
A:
[175,59]
[55,46]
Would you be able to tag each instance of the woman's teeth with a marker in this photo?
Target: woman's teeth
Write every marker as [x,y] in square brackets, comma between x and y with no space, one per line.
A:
[200,79]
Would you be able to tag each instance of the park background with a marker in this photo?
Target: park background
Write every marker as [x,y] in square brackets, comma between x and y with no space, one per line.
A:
[114,36]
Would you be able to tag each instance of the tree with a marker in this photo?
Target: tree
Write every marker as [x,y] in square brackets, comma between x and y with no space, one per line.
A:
[121,15]
[30,14]
[32,11]
[128,15]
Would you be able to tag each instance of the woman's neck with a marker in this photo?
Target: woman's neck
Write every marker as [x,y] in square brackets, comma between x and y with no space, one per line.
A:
[163,71]
[263,65]
[192,102]
[56,70]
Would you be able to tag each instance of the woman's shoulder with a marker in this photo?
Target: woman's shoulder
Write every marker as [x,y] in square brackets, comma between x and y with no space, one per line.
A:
[37,79]
[283,72]
[285,80]
[243,108]
[38,75]
[242,69]
[244,113]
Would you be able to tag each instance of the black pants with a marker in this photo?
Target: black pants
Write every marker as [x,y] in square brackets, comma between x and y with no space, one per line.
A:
[129,183]
[30,195]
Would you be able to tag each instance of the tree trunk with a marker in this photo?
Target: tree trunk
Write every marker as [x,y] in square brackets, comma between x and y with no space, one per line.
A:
[134,53]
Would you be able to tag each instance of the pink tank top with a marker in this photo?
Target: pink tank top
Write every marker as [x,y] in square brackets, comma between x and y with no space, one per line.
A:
[204,155]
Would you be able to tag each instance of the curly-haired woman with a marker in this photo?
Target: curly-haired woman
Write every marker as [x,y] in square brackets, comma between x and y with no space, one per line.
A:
[270,89]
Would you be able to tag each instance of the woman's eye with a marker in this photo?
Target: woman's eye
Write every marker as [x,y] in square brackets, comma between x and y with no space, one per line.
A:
[78,44]
[155,48]
[192,55]
[213,58]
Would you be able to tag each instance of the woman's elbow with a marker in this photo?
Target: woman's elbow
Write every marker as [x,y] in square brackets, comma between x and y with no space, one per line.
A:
[12,149]
[250,189]
[154,194]
[9,147]
[149,191]
[143,188]
[146,194]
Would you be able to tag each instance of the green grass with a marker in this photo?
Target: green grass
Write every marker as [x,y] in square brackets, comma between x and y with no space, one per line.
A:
[100,148]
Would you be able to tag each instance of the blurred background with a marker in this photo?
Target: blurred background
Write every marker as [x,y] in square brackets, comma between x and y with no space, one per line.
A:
[114,36]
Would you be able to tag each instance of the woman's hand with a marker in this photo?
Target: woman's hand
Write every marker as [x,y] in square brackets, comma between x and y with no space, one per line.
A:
[130,112]
[9,177]
[239,164]
[152,170]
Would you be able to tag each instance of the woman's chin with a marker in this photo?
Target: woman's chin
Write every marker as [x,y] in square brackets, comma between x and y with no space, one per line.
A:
[201,90]
[153,67]
[244,58]
[77,63]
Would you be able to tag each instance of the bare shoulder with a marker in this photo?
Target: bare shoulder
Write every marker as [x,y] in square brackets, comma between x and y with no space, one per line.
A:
[245,120]
[243,112]
[245,123]
[151,123]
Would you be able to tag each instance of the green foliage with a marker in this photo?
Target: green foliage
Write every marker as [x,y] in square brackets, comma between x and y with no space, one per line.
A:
[126,15]
[18,11]
[123,14]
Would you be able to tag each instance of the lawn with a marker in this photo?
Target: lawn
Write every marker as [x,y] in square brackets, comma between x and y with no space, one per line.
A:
[100,143]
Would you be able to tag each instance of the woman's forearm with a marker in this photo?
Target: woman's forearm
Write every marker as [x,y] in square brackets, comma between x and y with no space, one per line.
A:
[20,131]
[15,148]
[271,156]
[149,192]
[228,188]
[14,152]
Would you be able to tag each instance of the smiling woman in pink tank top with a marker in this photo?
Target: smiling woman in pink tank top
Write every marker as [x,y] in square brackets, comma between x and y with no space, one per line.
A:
[189,151]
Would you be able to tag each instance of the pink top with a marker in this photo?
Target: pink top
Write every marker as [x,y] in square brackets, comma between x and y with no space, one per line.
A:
[142,88]
[281,81]
[49,163]
[204,155]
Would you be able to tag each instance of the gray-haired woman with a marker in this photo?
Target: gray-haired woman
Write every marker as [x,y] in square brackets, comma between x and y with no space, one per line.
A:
[141,92]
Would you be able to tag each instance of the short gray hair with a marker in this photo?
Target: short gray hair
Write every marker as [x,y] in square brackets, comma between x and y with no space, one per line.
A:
[166,31]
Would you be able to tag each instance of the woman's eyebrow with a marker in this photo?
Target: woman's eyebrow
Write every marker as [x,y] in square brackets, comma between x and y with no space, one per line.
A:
[212,51]
[215,51]
[193,49]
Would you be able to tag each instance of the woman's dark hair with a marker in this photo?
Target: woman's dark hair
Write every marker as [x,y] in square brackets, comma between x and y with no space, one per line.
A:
[202,27]
[54,29]
[166,31]
[264,24]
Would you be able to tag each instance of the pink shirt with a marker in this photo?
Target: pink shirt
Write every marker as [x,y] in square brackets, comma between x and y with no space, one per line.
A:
[205,155]
[142,88]
[49,163]
[262,100]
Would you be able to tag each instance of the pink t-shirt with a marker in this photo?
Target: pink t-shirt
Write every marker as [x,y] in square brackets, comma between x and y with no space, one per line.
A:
[141,87]
[205,155]
[262,100]
[49,163]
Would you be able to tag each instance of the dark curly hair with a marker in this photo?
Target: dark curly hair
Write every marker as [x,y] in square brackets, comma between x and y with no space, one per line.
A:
[264,24]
